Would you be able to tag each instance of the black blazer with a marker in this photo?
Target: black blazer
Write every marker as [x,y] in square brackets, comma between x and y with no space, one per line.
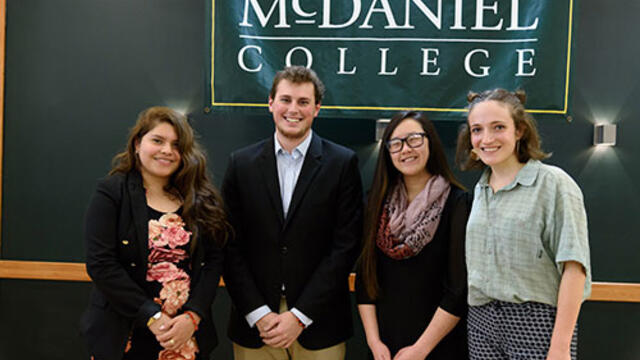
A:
[311,251]
[116,231]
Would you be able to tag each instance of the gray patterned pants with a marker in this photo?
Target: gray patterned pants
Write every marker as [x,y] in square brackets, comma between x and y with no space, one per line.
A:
[507,331]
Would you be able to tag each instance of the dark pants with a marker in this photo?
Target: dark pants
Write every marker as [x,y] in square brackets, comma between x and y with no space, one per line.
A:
[507,331]
[145,346]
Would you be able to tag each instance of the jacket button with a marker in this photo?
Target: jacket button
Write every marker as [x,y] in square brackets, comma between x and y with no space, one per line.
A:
[133,264]
[125,242]
[283,250]
[202,263]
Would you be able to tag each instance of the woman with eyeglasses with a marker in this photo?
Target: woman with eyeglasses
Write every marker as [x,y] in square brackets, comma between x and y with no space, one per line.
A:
[411,281]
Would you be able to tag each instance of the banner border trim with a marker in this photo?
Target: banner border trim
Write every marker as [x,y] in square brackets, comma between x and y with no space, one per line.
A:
[397,108]
[393,108]
[569,42]
[213,37]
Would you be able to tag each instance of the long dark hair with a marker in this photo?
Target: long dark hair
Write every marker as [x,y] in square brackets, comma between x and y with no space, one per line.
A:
[385,178]
[202,207]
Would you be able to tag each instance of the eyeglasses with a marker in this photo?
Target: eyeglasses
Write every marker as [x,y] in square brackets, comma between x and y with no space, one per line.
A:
[412,140]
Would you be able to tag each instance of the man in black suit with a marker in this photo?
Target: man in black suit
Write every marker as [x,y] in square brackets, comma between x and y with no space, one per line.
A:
[295,201]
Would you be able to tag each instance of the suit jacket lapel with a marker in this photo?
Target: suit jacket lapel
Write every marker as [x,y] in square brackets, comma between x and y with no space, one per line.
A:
[310,167]
[269,170]
[139,213]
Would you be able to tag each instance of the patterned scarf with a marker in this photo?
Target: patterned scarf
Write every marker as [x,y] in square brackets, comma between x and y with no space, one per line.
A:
[405,228]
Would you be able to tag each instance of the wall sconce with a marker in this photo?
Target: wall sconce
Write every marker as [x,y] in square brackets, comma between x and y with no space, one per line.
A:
[604,134]
[381,125]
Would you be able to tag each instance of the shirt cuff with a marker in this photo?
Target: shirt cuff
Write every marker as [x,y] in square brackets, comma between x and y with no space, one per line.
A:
[302,317]
[257,314]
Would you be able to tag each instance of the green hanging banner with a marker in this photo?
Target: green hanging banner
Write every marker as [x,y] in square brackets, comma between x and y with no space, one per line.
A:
[380,56]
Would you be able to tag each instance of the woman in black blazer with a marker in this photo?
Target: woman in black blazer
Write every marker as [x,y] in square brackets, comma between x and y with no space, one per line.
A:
[154,231]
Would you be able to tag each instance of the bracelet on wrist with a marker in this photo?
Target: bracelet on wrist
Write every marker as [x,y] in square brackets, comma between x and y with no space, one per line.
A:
[193,319]
[153,318]
[302,325]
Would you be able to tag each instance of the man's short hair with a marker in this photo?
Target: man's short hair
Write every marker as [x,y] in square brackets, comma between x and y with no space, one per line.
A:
[298,75]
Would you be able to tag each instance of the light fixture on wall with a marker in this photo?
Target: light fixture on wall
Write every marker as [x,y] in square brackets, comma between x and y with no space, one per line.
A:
[604,135]
[381,125]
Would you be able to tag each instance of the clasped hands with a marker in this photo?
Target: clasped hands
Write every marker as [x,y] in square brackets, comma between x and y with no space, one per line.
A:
[173,333]
[380,351]
[279,330]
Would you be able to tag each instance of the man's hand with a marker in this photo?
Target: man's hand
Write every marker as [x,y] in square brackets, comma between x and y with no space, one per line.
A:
[266,323]
[285,332]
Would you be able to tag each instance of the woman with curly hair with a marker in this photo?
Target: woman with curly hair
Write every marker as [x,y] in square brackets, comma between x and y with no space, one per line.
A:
[527,245]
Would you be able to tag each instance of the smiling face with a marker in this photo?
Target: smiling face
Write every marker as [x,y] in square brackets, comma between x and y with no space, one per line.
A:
[158,152]
[493,134]
[294,108]
[410,161]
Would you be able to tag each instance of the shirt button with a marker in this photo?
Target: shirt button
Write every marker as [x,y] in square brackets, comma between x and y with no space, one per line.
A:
[133,264]
[283,250]
[202,263]
[125,242]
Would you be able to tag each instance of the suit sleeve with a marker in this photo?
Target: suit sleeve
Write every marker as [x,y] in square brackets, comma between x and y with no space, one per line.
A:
[334,268]
[203,292]
[238,278]
[108,274]
[454,299]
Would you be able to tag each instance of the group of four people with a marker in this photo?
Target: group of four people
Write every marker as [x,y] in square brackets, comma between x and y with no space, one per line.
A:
[439,275]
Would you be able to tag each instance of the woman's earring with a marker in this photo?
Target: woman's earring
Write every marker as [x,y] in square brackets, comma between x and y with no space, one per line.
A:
[518,147]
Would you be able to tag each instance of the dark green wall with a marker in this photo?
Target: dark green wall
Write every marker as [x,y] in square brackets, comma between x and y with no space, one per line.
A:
[78,72]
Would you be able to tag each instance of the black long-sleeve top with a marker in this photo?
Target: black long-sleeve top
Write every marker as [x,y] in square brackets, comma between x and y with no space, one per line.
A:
[412,289]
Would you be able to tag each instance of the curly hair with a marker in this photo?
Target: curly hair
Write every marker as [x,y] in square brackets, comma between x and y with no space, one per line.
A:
[529,147]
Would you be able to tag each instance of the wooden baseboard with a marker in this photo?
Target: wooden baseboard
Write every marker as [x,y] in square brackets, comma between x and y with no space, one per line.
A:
[613,291]
[40,270]
[65,271]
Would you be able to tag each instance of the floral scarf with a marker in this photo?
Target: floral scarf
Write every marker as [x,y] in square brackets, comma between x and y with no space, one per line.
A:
[405,228]
[165,235]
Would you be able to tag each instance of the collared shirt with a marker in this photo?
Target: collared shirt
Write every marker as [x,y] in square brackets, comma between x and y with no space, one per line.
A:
[519,237]
[289,167]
